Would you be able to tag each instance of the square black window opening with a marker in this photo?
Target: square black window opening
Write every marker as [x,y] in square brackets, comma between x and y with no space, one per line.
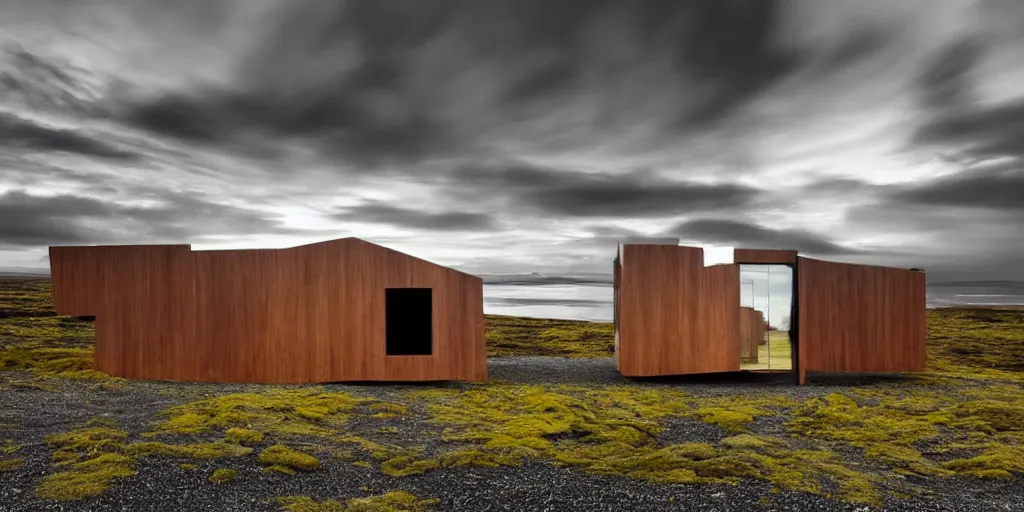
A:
[409,321]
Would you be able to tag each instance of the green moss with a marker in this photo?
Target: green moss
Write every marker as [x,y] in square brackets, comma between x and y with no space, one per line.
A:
[86,479]
[976,343]
[48,361]
[388,408]
[197,451]
[40,384]
[614,431]
[897,428]
[8,463]
[243,435]
[395,501]
[187,466]
[45,328]
[510,336]
[222,475]
[284,470]
[376,451]
[94,455]
[998,462]
[280,455]
[25,297]
[8,447]
[278,412]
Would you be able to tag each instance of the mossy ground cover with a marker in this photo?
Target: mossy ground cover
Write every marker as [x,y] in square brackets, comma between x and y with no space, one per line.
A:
[518,336]
[962,421]
[25,298]
[395,501]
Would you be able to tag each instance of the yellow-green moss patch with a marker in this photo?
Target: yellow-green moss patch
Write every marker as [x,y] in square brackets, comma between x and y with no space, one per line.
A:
[25,297]
[614,431]
[395,501]
[896,427]
[8,463]
[287,412]
[512,336]
[48,361]
[223,475]
[87,478]
[243,435]
[280,455]
[91,457]
[45,328]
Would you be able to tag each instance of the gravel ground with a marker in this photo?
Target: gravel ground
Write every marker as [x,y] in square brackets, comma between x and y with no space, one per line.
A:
[26,415]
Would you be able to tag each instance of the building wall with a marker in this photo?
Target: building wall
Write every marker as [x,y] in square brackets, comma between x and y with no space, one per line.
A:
[675,316]
[860,318]
[314,313]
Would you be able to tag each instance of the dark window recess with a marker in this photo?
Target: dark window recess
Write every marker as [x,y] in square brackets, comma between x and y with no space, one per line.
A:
[409,321]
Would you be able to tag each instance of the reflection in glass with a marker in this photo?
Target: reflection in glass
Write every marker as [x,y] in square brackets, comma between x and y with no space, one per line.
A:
[766,299]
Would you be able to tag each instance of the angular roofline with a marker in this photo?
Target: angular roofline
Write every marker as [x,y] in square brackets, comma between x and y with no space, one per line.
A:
[345,240]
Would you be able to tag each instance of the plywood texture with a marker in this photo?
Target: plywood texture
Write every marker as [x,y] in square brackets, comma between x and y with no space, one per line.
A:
[859,318]
[752,331]
[673,315]
[314,313]
[764,257]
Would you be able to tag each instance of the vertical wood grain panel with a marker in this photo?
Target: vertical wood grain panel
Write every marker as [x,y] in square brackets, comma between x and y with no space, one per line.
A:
[764,257]
[313,313]
[860,318]
[674,315]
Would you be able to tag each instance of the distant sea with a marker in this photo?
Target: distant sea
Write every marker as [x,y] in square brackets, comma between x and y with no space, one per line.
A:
[591,299]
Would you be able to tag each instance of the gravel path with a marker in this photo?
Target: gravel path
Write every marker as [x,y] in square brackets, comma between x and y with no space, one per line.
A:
[27,415]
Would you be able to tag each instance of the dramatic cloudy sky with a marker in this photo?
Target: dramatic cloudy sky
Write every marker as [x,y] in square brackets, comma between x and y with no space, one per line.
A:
[519,135]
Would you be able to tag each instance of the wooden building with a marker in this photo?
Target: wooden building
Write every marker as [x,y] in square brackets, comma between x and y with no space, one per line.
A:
[675,316]
[341,310]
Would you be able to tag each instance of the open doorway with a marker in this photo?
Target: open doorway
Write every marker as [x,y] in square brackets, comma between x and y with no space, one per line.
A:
[766,313]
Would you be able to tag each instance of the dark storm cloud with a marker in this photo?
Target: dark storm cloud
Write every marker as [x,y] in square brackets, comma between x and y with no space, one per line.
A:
[959,124]
[16,132]
[418,219]
[752,236]
[732,47]
[359,80]
[573,193]
[947,77]
[43,83]
[984,188]
[857,46]
[982,133]
[32,220]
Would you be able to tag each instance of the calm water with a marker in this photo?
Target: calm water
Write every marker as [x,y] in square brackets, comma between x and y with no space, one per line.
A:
[593,301]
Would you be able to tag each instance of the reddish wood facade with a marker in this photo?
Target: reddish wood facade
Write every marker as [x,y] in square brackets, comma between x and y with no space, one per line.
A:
[860,318]
[674,316]
[313,313]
